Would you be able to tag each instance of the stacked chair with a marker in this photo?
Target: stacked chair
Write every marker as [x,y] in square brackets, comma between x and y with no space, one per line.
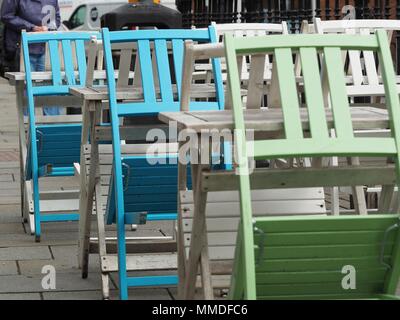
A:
[247,235]
[136,177]
[54,142]
[302,257]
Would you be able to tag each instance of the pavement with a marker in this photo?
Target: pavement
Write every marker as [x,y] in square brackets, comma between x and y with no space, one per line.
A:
[23,262]
[21,259]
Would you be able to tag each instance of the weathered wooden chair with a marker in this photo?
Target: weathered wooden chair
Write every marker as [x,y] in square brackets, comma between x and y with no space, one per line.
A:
[54,142]
[304,257]
[364,86]
[222,210]
[134,179]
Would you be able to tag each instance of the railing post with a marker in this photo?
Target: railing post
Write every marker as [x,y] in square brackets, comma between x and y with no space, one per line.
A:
[337,12]
[398,38]
[387,10]
[317,12]
[376,10]
[327,10]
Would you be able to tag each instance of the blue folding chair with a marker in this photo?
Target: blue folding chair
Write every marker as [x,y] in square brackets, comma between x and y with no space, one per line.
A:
[139,190]
[53,148]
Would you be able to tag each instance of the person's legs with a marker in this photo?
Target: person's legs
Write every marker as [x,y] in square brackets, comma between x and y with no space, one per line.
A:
[38,64]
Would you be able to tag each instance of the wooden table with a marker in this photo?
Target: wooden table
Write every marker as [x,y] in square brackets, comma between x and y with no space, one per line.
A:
[265,121]
[95,101]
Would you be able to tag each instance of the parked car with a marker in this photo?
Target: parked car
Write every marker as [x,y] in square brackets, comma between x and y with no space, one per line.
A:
[86,15]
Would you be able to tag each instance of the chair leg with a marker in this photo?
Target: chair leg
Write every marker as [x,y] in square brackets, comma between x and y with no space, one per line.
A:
[121,243]
[182,185]
[236,288]
[105,286]
[205,270]
[181,254]
[385,198]
[360,203]
[30,214]
[197,241]
[101,238]
[36,205]
[122,272]
[87,194]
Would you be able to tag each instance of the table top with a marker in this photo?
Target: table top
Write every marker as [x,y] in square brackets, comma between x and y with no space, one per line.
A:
[47,75]
[130,93]
[363,118]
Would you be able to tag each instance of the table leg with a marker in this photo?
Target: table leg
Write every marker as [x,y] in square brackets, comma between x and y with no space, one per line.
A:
[87,193]
[182,186]
[19,94]
[198,239]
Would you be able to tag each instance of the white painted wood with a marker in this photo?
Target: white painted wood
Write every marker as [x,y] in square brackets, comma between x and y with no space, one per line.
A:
[63,205]
[141,262]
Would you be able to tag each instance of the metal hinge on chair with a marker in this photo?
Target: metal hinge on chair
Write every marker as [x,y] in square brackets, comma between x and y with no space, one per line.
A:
[126,176]
[382,255]
[39,140]
[260,244]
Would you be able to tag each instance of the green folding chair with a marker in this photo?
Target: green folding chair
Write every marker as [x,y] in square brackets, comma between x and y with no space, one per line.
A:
[306,257]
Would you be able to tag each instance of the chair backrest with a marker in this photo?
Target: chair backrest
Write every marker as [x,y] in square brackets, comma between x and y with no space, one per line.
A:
[251,30]
[161,94]
[341,26]
[319,142]
[167,96]
[363,65]
[64,73]
[95,63]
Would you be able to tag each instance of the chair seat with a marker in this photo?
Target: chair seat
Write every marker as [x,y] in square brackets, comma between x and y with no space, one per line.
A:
[306,257]
[58,148]
[150,189]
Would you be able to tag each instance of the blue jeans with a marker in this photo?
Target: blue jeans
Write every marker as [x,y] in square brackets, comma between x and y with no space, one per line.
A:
[38,64]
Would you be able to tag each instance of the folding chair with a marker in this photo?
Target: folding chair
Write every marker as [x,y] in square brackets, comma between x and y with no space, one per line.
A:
[363,80]
[54,142]
[222,210]
[303,257]
[134,178]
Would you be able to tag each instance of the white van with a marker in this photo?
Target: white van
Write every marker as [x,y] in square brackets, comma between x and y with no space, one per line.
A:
[86,15]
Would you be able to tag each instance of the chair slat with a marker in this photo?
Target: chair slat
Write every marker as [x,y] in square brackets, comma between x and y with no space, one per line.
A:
[146,70]
[164,72]
[370,64]
[313,91]
[55,62]
[256,82]
[81,60]
[288,93]
[177,48]
[124,68]
[338,95]
[68,61]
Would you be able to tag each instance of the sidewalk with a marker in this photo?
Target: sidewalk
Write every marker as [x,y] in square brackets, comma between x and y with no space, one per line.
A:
[21,259]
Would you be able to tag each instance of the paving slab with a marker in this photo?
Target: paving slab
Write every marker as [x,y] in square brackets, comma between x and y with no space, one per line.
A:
[24,253]
[64,282]
[7,228]
[68,256]
[143,294]
[27,240]
[20,296]
[73,295]
[34,267]
[8,268]
[4,178]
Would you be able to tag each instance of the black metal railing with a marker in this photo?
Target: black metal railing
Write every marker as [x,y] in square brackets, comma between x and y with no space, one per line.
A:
[197,13]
